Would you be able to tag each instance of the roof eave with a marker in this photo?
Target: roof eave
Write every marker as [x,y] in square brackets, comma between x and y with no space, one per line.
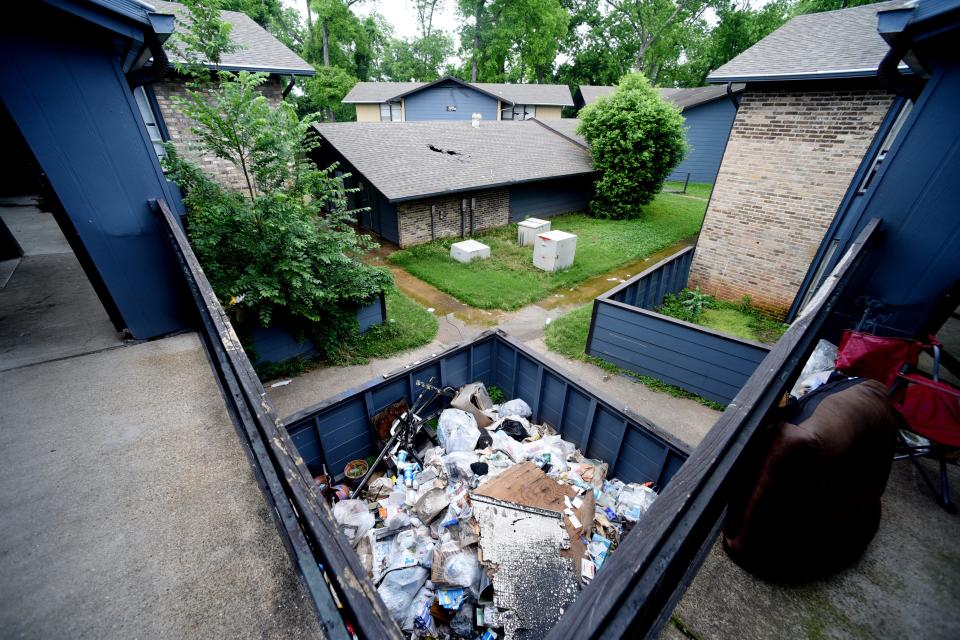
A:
[278,71]
[445,79]
[482,187]
[833,74]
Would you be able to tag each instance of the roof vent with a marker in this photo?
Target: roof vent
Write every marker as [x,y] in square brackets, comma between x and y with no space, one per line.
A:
[475,120]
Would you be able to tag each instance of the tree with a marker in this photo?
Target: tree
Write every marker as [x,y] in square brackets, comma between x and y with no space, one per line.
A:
[636,138]
[282,22]
[515,40]
[204,40]
[652,21]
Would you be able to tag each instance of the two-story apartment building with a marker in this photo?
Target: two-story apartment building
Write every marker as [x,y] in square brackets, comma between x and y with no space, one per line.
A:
[453,99]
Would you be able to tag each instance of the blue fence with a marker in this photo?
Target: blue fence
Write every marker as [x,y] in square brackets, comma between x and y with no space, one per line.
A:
[337,431]
[626,332]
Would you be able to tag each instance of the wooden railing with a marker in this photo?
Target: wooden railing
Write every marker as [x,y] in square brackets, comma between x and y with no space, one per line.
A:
[313,539]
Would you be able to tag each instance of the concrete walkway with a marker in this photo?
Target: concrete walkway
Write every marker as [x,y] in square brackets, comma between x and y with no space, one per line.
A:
[48,308]
[129,507]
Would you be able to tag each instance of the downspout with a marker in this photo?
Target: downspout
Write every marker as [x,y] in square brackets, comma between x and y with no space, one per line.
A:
[733,97]
[157,70]
[889,73]
[289,87]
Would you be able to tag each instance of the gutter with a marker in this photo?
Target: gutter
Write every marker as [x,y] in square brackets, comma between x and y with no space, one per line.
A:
[155,71]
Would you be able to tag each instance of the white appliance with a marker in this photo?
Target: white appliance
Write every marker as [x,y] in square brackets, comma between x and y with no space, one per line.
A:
[469,250]
[529,229]
[554,250]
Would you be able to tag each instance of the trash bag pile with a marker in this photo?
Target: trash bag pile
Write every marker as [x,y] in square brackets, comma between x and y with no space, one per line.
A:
[415,532]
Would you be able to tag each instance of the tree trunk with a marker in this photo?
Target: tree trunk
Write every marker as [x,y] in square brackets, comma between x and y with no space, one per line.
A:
[326,42]
[310,34]
[478,14]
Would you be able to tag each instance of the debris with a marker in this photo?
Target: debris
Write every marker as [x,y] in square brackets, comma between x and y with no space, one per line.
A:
[457,430]
[282,383]
[354,517]
[491,534]
[473,399]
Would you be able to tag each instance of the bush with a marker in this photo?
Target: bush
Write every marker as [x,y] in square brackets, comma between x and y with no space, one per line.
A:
[636,139]
[284,250]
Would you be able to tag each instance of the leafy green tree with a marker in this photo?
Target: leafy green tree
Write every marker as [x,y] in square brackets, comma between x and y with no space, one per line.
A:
[286,250]
[636,138]
[323,92]
[514,40]
[283,22]
[204,39]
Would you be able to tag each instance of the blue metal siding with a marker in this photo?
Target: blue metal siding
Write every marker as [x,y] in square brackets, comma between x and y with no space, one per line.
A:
[63,86]
[915,194]
[337,431]
[550,197]
[707,127]
[431,103]
[705,363]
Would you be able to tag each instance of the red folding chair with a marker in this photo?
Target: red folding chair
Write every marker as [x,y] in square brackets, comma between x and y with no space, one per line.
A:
[931,409]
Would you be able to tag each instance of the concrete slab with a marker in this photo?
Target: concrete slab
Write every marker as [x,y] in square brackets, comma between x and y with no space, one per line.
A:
[906,585]
[49,310]
[129,507]
[36,231]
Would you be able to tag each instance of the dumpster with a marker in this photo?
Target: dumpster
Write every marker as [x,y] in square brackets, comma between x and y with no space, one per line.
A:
[338,430]
[515,515]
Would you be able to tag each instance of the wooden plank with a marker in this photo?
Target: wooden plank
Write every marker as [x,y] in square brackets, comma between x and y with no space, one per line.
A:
[655,563]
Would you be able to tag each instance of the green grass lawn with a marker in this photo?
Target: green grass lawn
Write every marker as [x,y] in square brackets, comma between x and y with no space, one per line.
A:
[695,189]
[508,280]
[567,335]
[741,320]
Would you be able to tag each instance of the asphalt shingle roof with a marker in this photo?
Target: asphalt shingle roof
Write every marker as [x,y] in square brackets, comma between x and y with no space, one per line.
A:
[832,44]
[565,127]
[683,98]
[547,94]
[412,160]
[259,50]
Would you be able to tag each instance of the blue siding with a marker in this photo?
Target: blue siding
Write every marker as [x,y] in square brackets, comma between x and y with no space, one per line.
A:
[915,194]
[708,127]
[431,103]
[277,344]
[705,363]
[549,198]
[63,86]
[337,431]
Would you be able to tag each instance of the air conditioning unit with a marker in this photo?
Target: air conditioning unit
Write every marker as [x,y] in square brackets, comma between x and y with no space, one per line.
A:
[554,250]
[469,250]
[529,229]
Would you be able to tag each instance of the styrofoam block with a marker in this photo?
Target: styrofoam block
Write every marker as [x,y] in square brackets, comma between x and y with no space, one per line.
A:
[469,250]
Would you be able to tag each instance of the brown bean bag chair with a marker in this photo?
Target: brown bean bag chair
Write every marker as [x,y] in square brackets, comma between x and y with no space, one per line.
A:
[806,502]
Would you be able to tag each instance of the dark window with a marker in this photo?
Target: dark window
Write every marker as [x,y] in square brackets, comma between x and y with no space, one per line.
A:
[518,112]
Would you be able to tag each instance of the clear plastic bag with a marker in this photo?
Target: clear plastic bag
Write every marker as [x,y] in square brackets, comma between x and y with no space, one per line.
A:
[399,588]
[457,465]
[634,501]
[515,407]
[462,569]
[354,517]
[457,430]
[418,615]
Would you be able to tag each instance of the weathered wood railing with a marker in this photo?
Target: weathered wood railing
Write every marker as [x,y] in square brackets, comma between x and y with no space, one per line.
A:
[306,524]
[641,583]
[626,331]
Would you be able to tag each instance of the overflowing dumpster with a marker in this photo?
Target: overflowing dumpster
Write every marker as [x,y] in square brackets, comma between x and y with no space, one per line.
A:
[453,559]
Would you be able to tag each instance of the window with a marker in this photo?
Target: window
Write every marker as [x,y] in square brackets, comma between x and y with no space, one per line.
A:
[518,112]
[390,112]
[884,149]
[151,120]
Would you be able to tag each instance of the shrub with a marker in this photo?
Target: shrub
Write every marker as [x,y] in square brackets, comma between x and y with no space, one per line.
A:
[636,139]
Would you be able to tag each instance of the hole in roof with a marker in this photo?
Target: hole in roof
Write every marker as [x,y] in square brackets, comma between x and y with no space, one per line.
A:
[446,151]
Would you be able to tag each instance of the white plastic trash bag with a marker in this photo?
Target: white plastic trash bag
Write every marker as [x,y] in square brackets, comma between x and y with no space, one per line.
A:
[634,501]
[516,407]
[457,430]
[354,517]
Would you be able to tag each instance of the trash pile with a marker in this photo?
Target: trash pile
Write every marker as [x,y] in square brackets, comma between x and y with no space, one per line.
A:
[496,532]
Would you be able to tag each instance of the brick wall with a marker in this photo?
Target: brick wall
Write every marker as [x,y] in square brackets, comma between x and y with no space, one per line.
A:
[178,126]
[492,210]
[789,160]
